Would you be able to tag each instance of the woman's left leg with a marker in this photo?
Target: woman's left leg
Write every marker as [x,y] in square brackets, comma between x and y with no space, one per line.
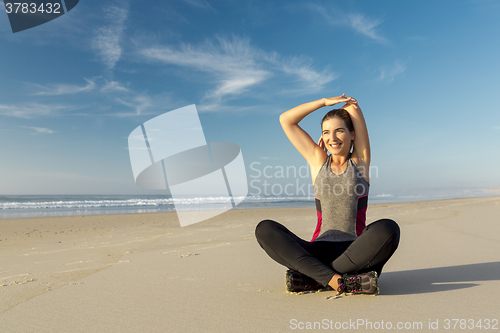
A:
[371,250]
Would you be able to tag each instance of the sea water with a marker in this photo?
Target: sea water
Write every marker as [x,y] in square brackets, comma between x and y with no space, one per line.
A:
[19,206]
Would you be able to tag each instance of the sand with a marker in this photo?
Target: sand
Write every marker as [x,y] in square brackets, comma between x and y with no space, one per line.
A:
[144,273]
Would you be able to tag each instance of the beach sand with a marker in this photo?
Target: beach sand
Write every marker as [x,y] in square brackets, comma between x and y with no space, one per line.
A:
[144,273]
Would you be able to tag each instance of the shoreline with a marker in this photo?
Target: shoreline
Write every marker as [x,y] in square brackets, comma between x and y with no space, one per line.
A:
[11,227]
[88,212]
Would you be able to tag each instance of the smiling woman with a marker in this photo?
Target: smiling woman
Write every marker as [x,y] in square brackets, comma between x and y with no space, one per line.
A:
[344,253]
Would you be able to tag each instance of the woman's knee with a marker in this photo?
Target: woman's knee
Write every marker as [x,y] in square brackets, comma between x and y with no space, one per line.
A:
[264,229]
[386,227]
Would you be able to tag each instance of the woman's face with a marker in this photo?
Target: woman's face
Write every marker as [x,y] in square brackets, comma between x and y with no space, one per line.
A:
[336,136]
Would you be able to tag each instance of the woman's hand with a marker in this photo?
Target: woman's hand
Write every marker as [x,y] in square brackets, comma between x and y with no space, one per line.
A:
[321,144]
[339,99]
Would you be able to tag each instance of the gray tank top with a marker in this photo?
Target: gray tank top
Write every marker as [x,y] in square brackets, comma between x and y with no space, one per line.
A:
[341,201]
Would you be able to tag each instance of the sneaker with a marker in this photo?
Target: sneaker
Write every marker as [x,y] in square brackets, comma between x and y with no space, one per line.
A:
[364,283]
[296,281]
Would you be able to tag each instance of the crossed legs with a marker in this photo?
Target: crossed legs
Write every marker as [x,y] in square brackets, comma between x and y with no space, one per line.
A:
[322,260]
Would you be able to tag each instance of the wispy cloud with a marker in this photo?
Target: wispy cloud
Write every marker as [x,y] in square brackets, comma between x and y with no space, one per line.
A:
[111,86]
[357,21]
[108,37]
[64,89]
[39,130]
[138,102]
[235,66]
[302,68]
[101,90]
[388,73]
[366,26]
[143,103]
[233,63]
[32,110]
[92,85]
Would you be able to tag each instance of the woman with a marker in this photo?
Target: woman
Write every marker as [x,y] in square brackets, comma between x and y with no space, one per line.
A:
[343,254]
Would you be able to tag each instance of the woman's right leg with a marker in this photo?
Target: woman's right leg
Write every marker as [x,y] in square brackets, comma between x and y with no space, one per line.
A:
[310,258]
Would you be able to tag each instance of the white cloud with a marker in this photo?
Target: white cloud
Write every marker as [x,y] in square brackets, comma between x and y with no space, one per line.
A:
[107,38]
[31,110]
[40,130]
[64,89]
[312,80]
[139,103]
[114,86]
[366,26]
[356,21]
[235,66]
[233,63]
[388,73]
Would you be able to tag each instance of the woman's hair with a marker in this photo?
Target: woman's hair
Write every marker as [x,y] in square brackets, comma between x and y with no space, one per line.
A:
[341,114]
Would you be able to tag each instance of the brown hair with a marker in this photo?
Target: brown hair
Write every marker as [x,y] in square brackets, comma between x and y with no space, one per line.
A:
[340,114]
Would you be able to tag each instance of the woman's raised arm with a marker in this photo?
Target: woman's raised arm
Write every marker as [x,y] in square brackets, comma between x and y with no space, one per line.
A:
[361,151]
[307,147]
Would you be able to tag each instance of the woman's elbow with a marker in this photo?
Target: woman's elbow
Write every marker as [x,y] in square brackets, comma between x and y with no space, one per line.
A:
[283,119]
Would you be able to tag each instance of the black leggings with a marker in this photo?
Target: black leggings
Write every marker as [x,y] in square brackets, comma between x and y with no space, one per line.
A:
[321,260]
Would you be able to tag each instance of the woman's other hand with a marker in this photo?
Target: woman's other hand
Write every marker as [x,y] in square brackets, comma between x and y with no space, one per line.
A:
[339,99]
[352,101]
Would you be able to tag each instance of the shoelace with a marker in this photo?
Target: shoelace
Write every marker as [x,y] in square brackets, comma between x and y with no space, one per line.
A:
[349,285]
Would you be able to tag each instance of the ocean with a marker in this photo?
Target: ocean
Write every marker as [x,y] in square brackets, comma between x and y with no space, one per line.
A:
[22,206]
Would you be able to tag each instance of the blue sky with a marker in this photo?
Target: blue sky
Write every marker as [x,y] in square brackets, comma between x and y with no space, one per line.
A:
[426,75]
